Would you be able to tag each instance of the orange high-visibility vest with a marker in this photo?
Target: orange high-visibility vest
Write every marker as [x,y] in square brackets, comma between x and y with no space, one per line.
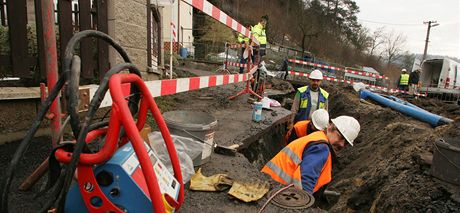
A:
[285,166]
[300,129]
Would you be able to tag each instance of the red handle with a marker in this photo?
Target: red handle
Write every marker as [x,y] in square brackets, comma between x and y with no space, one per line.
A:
[132,131]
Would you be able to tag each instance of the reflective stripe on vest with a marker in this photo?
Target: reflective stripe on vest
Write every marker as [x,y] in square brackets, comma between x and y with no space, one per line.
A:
[285,166]
[404,79]
[304,108]
[285,177]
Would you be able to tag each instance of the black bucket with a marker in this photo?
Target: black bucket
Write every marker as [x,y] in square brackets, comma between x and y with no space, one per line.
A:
[446,160]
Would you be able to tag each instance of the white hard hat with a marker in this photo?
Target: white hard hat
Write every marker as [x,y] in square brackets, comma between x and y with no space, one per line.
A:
[404,70]
[348,126]
[320,119]
[316,74]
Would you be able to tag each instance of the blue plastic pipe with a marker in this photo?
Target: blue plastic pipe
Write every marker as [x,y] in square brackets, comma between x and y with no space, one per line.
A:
[410,110]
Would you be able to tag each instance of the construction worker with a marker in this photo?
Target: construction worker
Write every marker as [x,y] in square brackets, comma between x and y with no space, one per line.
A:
[414,81]
[309,98]
[307,162]
[404,80]
[258,32]
[319,121]
[245,41]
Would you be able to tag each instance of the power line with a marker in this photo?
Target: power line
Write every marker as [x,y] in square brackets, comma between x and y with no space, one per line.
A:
[387,23]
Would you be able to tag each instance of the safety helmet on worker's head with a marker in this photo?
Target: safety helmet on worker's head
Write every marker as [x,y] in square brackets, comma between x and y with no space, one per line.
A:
[348,126]
[316,74]
[403,70]
[320,119]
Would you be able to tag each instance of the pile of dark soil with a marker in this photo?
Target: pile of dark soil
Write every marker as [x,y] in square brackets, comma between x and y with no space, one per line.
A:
[384,170]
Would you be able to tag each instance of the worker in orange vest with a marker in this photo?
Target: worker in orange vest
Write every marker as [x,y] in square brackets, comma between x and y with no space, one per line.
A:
[319,121]
[307,161]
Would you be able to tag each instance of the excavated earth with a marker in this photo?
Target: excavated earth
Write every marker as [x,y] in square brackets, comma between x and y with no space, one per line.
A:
[386,171]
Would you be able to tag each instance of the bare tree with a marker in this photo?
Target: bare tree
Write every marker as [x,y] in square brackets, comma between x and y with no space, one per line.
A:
[394,43]
[376,39]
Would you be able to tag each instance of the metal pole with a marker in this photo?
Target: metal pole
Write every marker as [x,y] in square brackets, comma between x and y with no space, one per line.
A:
[427,37]
[226,56]
[171,44]
[51,65]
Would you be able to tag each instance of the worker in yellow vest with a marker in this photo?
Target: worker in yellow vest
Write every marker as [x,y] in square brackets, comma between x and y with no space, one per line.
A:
[258,32]
[319,121]
[404,80]
[309,98]
[307,162]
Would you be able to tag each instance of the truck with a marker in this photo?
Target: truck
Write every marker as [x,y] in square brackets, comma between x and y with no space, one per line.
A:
[440,73]
[440,77]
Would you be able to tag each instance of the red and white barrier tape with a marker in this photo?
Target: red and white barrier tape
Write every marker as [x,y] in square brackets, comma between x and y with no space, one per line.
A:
[314,64]
[337,68]
[172,86]
[235,64]
[220,16]
[385,89]
[366,74]
[236,46]
[173,32]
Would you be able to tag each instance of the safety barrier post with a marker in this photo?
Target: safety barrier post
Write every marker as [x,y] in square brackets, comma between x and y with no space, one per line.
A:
[251,69]
[226,56]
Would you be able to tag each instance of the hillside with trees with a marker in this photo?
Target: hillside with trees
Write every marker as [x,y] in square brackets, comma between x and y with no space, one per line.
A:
[327,28]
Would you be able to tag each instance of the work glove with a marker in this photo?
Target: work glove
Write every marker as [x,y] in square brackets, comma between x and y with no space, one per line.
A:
[249,191]
[217,182]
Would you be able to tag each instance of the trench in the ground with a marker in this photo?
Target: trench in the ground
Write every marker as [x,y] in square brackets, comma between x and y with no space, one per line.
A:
[263,148]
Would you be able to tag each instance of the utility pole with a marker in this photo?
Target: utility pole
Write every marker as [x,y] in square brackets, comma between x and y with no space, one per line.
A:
[430,24]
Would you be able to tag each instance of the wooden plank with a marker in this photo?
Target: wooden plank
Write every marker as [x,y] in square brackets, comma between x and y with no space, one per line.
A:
[5,60]
[17,23]
[3,12]
[65,25]
[40,40]
[87,46]
[103,47]
[76,18]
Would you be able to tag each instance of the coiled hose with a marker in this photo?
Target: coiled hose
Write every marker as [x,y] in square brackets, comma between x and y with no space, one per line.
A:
[70,77]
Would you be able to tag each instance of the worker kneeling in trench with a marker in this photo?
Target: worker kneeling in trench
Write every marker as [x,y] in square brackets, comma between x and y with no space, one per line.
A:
[307,162]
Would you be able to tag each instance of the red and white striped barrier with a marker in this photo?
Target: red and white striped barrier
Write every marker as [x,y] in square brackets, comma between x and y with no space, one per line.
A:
[220,16]
[385,89]
[173,32]
[236,46]
[315,64]
[366,74]
[338,69]
[172,86]
[235,64]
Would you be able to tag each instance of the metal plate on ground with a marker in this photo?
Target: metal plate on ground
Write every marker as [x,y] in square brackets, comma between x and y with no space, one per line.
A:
[293,198]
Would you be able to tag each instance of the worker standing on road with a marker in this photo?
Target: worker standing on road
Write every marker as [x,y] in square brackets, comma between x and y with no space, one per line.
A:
[319,121]
[414,79]
[308,161]
[245,42]
[309,98]
[258,32]
[404,80]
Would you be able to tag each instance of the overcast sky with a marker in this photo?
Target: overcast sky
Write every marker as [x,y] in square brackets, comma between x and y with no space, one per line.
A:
[407,16]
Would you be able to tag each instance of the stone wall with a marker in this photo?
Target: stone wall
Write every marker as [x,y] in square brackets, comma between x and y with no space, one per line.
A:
[128,26]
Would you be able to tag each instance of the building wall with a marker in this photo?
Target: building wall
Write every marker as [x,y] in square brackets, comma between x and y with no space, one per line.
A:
[183,29]
[128,26]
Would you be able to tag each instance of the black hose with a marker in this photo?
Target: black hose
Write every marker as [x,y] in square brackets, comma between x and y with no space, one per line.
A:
[72,89]
[25,143]
[72,97]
